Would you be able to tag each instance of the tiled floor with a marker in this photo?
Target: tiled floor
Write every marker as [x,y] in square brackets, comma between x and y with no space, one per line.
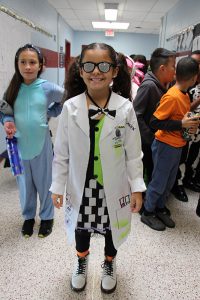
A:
[151,265]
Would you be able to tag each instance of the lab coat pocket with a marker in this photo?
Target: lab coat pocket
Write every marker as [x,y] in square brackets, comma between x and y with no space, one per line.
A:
[120,218]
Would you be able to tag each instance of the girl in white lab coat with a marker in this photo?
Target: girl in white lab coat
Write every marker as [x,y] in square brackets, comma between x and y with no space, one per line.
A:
[98,158]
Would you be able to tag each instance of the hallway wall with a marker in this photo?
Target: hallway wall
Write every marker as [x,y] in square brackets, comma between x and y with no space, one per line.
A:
[128,43]
[184,14]
[16,33]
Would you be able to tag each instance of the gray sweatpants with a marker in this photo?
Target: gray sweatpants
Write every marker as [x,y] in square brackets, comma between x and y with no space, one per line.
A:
[37,179]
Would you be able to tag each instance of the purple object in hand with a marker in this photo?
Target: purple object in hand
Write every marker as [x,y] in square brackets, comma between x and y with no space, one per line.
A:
[14,158]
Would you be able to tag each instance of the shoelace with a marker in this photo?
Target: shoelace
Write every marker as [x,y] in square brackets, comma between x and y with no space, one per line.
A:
[108,267]
[81,266]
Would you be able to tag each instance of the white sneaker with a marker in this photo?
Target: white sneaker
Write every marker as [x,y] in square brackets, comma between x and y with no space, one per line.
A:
[109,277]
[79,276]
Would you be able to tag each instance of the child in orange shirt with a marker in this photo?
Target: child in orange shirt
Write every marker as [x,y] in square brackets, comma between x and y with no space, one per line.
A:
[169,119]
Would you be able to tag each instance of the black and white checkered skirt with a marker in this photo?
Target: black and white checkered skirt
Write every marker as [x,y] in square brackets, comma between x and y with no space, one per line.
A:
[93,214]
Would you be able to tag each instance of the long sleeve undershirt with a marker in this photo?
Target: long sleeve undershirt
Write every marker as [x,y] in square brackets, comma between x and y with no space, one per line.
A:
[168,125]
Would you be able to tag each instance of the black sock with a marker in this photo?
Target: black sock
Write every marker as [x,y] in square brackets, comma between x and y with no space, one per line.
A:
[148,213]
[160,209]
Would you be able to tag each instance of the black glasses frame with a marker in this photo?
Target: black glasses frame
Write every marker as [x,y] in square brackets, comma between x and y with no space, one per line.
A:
[98,65]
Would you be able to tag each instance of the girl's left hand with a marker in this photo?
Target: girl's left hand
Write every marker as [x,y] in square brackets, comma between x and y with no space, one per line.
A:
[136,202]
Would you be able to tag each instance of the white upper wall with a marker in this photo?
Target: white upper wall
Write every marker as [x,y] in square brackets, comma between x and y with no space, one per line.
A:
[15,34]
[41,13]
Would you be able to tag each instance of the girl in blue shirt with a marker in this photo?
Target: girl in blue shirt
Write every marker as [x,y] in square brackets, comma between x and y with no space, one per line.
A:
[33,100]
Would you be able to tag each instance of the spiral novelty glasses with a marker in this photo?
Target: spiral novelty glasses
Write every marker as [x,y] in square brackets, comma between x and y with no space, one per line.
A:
[103,66]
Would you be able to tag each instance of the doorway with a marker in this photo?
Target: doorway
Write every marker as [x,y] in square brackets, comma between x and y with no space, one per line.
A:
[67,56]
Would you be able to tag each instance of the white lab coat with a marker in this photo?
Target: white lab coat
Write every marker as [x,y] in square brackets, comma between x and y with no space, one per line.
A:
[121,159]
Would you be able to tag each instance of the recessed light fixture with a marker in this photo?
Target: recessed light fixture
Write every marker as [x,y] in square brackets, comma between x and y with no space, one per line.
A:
[111,11]
[110,25]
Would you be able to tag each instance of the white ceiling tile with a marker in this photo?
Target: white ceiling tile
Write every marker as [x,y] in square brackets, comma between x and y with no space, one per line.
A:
[141,5]
[87,14]
[59,3]
[86,4]
[164,5]
[135,16]
[144,13]
[74,23]
[153,16]
[67,14]
[151,24]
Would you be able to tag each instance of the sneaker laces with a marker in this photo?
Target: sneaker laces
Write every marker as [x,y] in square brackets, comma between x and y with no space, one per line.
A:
[108,268]
[81,267]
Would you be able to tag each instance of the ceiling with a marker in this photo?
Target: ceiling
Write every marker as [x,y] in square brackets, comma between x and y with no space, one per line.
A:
[145,14]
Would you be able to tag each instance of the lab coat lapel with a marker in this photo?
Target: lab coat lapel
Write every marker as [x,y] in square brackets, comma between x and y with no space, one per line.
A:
[81,113]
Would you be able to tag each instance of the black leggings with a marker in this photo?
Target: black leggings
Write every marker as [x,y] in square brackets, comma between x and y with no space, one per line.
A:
[83,242]
[192,156]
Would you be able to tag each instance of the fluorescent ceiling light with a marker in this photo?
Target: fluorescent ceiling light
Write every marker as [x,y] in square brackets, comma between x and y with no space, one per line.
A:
[111,11]
[110,25]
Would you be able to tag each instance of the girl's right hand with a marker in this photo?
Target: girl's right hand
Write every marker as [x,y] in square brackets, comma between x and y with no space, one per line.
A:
[10,129]
[57,200]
